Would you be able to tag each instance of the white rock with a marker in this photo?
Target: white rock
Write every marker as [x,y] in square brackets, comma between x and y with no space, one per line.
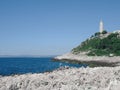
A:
[99,78]
[83,57]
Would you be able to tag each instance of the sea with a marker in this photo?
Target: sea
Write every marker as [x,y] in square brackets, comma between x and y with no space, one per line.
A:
[15,65]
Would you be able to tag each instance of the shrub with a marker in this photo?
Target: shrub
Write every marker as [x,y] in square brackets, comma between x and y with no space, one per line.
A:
[100,47]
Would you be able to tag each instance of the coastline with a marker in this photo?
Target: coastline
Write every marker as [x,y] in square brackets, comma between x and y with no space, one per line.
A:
[85,58]
[98,78]
[66,78]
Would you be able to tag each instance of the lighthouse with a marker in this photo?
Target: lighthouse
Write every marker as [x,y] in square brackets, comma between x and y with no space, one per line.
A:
[101,26]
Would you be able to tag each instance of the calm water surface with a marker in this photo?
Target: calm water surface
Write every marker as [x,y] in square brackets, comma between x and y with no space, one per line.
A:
[10,66]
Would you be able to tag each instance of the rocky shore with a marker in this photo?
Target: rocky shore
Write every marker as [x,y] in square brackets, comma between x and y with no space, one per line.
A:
[84,58]
[66,78]
[98,78]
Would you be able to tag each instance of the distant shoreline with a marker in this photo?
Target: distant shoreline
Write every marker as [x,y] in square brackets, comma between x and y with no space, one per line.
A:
[98,60]
[27,56]
[90,63]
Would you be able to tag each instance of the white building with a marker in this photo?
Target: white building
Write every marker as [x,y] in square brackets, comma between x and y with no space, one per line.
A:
[116,31]
[101,26]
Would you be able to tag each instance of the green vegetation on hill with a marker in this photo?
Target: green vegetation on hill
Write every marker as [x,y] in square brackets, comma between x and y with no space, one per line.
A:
[100,45]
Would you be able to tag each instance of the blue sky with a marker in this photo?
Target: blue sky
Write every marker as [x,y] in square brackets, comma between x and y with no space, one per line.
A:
[52,27]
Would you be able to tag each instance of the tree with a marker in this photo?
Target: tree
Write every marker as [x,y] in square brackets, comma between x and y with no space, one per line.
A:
[97,33]
[101,46]
[113,35]
[104,32]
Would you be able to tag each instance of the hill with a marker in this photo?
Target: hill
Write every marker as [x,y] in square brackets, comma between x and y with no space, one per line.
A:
[100,44]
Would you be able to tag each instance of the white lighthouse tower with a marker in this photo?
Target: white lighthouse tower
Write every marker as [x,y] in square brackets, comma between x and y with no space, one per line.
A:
[101,26]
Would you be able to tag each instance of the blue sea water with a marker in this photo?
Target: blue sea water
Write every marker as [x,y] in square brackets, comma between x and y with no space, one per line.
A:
[11,66]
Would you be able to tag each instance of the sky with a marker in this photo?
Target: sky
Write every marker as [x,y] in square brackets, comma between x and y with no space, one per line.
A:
[52,27]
